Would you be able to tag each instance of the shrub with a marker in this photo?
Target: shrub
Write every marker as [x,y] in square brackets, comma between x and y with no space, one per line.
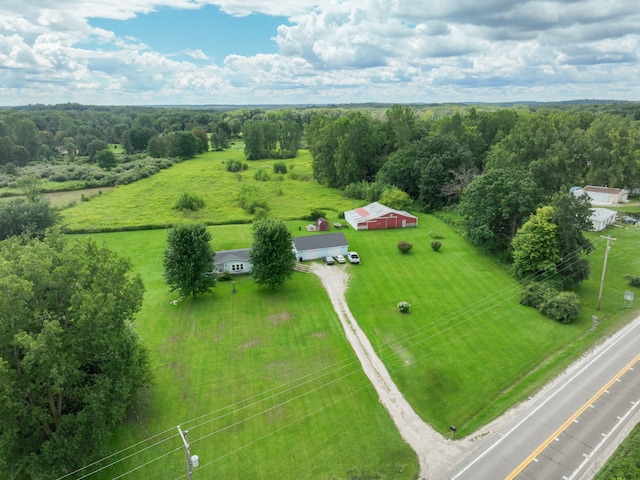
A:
[404,247]
[536,294]
[250,199]
[633,280]
[315,214]
[395,198]
[564,307]
[233,165]
[189,201]
[436,245]
[403,307]
[260,213]
[261,175]
[280,167]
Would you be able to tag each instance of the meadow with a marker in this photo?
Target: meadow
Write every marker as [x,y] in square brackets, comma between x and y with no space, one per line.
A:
[265,381]
[150,203]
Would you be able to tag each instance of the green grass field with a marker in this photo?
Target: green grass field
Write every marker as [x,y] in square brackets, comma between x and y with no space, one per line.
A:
[265,381]
[150,202]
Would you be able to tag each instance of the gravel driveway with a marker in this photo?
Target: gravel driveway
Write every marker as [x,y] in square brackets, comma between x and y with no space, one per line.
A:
[437,455]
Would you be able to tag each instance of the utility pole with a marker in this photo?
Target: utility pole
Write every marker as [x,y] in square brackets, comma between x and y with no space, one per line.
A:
[604,269]
[183,435]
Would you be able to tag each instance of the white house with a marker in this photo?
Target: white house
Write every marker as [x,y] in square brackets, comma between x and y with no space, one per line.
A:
[602,218]
[310,247]
[603,195]
[377,216]
[232,261]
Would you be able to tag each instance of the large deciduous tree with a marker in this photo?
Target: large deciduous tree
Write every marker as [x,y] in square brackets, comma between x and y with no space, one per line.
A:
[32,218]
[551,244]
[188,260]
[271,253]
[70,360]
[496,204]
[535,247]
[425,166]
[345,150]
[571,215]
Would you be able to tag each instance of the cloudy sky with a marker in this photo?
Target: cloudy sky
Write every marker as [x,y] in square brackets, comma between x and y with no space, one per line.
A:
[136,52]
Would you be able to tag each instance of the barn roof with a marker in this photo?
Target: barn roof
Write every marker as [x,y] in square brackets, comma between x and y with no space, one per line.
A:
[238,255]
[324,240]
[370,212]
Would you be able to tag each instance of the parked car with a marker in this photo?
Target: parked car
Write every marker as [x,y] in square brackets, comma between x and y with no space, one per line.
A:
[328,260]
[340,259]
[353,257]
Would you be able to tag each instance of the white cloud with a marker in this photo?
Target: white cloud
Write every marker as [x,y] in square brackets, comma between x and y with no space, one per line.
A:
[336,51]
[196,54]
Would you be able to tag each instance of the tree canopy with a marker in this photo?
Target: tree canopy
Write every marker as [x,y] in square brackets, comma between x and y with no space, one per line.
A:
[535,250]
[188,260]
[271,252]
[496,204]
[20,216]
[70,360]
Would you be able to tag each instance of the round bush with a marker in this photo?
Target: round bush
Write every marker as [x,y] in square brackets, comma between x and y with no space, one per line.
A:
[564,307]
[404,247]
[403,307]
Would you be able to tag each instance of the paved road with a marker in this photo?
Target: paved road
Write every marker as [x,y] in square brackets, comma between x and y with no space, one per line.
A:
[570,431]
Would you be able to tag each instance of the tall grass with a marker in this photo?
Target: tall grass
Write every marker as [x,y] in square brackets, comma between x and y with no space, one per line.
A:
[149,203]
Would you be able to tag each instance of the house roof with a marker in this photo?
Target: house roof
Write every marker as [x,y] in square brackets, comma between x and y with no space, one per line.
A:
[323,240]
[238,255]
[599,214]
[372,211]
[610,191]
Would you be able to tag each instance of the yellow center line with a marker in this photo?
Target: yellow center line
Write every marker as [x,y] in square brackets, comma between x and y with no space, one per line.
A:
[563,427]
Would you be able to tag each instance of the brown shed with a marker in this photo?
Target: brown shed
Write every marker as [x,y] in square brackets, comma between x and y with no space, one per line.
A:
[322,225]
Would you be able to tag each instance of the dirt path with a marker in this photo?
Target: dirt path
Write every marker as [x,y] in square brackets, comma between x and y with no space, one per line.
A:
[436,453]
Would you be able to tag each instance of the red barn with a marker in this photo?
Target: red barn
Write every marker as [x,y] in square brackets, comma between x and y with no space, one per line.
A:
[375,216]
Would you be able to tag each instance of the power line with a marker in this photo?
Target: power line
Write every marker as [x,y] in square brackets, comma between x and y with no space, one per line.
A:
[505,294]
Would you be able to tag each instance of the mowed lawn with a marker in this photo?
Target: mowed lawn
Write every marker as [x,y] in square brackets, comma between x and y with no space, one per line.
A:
[264,381]
[151,202]
[468,350]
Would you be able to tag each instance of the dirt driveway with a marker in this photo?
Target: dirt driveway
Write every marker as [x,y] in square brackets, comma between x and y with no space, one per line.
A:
[437,454]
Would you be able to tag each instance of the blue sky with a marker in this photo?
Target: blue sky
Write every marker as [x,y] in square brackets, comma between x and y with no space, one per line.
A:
[173,52]
[172,31]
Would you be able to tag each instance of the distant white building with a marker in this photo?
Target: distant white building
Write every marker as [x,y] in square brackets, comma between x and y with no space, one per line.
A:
[602,218]
[603,195]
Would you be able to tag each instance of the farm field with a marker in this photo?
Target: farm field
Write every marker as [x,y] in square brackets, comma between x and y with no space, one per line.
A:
[150,202]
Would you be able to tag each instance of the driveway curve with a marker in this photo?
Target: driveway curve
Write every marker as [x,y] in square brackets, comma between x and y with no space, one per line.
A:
[436,453]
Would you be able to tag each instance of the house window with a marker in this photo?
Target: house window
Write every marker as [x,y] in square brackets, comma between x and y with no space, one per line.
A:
[237,267]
